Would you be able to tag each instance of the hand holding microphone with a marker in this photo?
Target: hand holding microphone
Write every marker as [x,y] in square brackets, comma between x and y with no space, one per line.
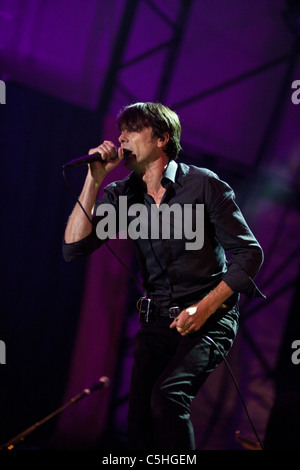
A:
[104,158]
[105,154]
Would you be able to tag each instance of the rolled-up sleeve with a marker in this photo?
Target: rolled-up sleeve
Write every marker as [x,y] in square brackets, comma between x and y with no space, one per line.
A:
[81,248]
[234,235]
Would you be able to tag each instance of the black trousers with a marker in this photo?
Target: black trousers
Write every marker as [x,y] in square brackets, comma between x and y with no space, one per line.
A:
[168,371]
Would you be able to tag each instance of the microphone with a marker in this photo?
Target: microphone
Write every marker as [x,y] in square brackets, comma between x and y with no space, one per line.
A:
[102,382]
[93,157]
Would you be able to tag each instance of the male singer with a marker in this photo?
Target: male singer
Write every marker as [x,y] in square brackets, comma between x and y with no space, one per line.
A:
[188,294]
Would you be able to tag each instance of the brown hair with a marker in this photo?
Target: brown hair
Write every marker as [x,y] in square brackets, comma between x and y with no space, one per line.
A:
[137,116]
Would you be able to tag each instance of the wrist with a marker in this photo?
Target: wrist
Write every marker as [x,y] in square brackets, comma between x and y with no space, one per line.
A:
[217,297]
[208,305]
[94,181]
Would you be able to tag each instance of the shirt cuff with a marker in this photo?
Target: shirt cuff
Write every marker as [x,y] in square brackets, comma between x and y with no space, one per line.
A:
[240,282]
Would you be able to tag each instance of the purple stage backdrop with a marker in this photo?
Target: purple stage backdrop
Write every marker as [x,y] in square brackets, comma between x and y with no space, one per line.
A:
[227,68]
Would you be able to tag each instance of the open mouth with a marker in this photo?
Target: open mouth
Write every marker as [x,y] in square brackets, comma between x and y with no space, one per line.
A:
[128,154]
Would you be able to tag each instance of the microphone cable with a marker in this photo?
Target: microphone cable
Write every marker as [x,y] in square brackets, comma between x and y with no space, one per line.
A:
[237,388]
[141,285]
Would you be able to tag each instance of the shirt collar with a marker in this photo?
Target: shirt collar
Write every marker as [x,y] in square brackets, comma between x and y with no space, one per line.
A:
[170,172]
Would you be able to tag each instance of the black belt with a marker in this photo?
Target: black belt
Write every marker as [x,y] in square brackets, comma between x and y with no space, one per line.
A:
[149,311]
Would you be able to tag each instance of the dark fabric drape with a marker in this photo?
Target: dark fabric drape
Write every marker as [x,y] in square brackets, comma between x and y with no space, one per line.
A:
[96,349]
[41,295]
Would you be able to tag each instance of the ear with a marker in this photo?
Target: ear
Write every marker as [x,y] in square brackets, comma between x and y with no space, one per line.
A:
[162,142]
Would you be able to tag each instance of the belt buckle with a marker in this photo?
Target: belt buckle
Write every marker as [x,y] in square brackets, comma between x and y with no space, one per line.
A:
[174,312]
[145,307]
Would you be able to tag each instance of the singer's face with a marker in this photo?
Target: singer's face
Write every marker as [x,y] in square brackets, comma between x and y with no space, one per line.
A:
[143,147]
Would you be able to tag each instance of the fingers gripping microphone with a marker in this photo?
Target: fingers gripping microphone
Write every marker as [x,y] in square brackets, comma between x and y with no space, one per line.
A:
[93,157]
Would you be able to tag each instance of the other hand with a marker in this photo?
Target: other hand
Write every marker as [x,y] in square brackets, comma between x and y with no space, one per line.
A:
[192,318]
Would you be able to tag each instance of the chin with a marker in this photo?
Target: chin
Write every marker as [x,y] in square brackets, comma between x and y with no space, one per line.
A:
[132,164]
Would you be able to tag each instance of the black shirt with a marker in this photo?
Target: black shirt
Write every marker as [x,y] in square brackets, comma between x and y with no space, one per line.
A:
[173,274]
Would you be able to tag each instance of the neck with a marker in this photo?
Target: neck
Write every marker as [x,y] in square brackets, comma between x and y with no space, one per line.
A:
[153,173]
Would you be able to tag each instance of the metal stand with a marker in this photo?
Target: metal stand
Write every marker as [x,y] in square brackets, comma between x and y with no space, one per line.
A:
[102,382]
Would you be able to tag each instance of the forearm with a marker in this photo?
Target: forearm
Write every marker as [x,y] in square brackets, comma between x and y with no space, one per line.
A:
[216,298]
[78,225]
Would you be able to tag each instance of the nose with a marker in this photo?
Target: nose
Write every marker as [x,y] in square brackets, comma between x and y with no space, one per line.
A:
[123,137]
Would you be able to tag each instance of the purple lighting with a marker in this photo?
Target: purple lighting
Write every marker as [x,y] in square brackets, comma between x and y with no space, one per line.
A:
[227,68]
